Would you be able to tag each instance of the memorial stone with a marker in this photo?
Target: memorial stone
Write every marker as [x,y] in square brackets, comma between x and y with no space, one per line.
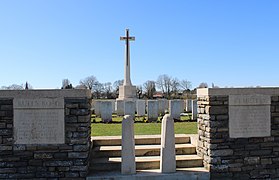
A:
[152,110]
[39,121]
[120,107]
[188,105]
[127,91]
[129,108]
[106,111]
[162,106]
[97,105]
[140,107]
[194,109]
[249,116]
[113,102]
[176,107]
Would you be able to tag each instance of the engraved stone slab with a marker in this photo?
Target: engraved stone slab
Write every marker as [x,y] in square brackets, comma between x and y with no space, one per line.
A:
[39,121]
[249,116]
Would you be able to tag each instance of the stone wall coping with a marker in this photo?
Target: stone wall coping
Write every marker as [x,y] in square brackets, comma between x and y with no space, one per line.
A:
[237,91]
[46,93]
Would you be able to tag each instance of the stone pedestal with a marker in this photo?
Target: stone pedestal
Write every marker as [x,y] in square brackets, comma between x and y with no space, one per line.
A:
[167,159]
[128,163]
[127,92]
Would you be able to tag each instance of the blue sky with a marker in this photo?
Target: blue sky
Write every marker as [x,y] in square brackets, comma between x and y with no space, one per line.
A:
[228,43]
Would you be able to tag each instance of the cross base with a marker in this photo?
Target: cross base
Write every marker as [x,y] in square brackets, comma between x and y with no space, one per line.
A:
[127,92]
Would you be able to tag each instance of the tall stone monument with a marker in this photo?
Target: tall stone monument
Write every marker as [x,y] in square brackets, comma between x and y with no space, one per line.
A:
[127,91]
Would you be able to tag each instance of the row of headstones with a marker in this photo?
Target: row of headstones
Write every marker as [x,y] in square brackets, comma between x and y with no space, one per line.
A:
[167,155]
[105,108]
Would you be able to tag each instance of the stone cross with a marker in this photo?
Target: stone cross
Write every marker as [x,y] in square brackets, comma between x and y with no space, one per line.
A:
[127,38]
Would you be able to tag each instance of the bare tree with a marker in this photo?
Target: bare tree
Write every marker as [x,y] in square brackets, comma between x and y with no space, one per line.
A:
[13,87]
[175,84]
[149,88]
[139,91]
[107,90]
[185,85]
[89,82]
[203,85]
[164,82]
[98,90]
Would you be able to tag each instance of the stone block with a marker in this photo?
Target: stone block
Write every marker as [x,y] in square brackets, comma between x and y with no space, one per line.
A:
[221,152]
[78,155]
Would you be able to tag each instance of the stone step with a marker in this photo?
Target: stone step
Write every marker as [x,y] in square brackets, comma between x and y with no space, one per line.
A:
[139,140]
[154,174]
[142,150]
[146,162]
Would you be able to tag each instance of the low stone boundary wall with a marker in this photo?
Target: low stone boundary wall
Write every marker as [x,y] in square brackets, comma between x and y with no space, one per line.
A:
[68,159]
[239,132]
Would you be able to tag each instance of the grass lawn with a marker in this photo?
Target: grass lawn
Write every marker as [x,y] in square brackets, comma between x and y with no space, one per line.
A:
[101,129]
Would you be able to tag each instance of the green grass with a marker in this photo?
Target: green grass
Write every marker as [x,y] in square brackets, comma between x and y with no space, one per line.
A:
[118,119]
[101,129]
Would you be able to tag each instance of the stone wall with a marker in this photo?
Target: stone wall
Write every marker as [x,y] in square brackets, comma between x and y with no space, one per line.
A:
[67,160]
[225,157]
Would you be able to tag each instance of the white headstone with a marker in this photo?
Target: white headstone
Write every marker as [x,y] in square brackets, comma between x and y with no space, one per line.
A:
[129,108]
[167,156]
[128,163]
[140,107]
[97,105]
[188,105]
[162,106]
[120,107]
[106,111]
[39,121]
[194,109]
[152,110]
[113,102]
[249,116]
[176,107]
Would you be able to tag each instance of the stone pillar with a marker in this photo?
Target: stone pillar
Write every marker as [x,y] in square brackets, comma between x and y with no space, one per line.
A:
[152,110]
[129,108]
[167,158]
[128,163]
[140,107]
[106,111]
